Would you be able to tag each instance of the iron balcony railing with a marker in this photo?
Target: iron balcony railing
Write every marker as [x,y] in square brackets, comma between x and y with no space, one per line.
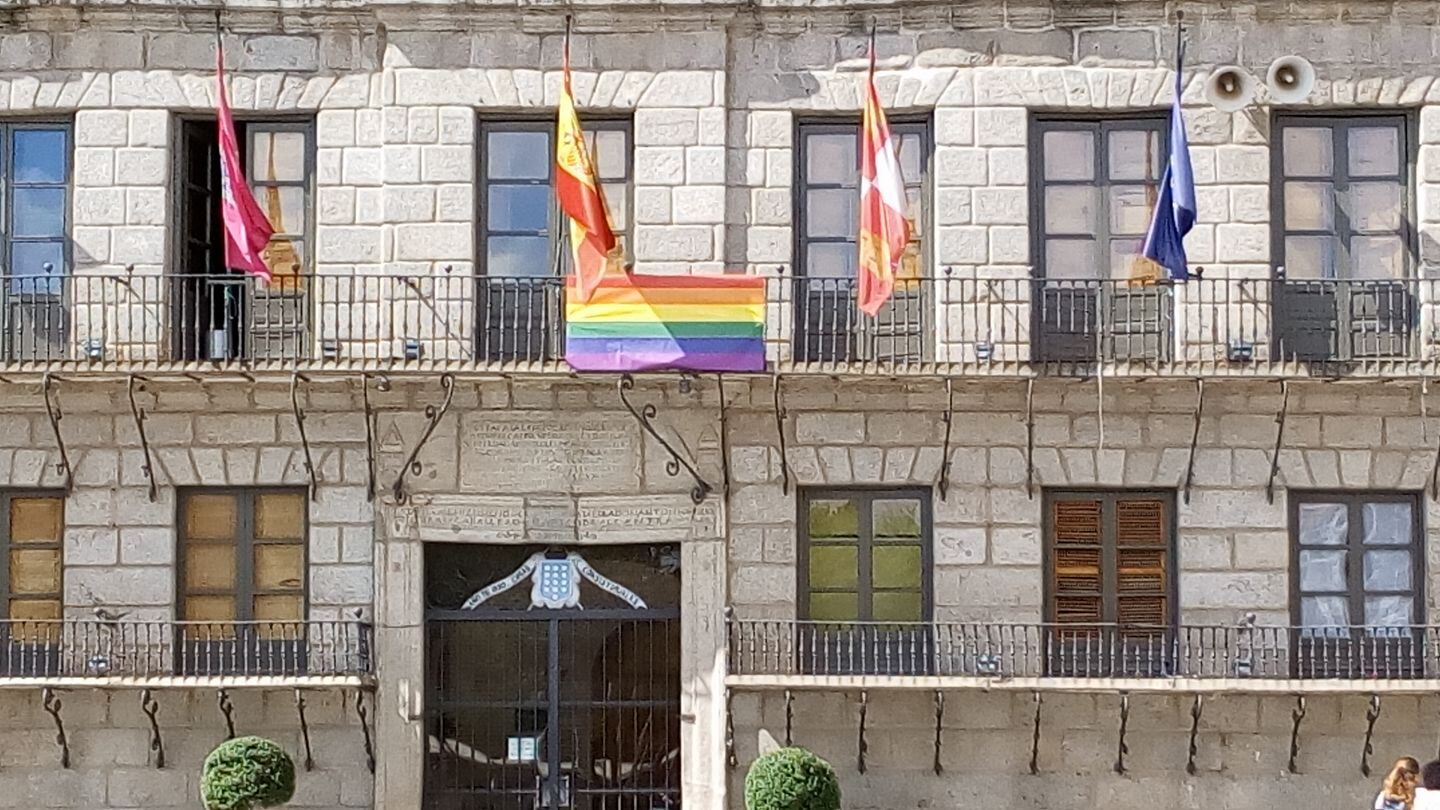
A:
[990,650]
[949,324]
[92,649]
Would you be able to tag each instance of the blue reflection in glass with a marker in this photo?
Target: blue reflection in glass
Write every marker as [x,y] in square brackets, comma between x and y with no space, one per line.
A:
[517,256]
[39,155]
[36,268]
[37,212]
[519,208]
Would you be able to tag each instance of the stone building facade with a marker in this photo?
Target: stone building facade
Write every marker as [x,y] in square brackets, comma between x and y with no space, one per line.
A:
[1112,509]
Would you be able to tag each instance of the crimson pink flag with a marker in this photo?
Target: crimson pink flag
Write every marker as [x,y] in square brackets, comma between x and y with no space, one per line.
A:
[247,230]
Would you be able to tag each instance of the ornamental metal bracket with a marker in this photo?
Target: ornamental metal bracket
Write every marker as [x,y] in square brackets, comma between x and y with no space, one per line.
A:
[52,704]
[948,417]
[1035,737]
[434,414]
[862,746]
[1279,437]
[364,715]
[52,410]
[1030,439]
[1122,749]
[643,415]
[730,759]
[1194,437]
[724,438]
[789,718]
[148,468]
[369,437]
[304,729]
[151,707]
[939,726]
[1371,715]
[227,710]
[1296,715]
[1195,709]
[780,416]
[310,473]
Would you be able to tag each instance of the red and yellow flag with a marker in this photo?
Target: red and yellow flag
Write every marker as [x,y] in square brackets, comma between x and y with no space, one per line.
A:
[884,231]
[592,240]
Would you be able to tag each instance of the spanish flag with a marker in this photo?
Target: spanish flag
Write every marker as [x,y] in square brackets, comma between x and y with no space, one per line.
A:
[884,231]
[592,241]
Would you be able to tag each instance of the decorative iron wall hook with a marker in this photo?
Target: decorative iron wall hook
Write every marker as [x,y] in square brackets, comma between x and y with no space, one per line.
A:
[52,410]
[412,465]
[310,472]
[1195,709]
[1035,737]
[151,707]
[939,727]
[643,415]
[862,746]
[730,759]
[227,710]
[780,416]
[789,718]
[1296,715]
[304,729]
[51,702]
[369,437]
[364,715]
[148,467]
[1122,749]
[1194,436]
[948,417]
[1371,715]
[1030,438]
[724,437]
[1279,437]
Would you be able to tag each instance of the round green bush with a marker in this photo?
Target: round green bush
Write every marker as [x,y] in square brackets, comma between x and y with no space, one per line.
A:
[791,779]
[245,773]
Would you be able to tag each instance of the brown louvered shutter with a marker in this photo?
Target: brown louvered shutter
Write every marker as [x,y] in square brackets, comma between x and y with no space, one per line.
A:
[1078,581]
[1110,560]
[1141,562]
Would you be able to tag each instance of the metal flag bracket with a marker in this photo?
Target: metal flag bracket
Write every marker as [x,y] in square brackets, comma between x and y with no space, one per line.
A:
[227,710]
[1035,737]
[1194,437]
[304,729]
[1030,438]
[1296,716]
[789,718]
[364,715]
[52,410]
[1372,714]
[1279,438]
[1122,749]
[643,415]
[369,437]
[1196,709]
[948,417]
[433,414]
[780,416]
[939,730]
[862,746]
[151,707]
[724,437]
[311,475]
[138,413]
[51,703]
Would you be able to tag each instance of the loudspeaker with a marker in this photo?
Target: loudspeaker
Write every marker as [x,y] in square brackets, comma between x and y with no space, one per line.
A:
[1290,79]
[1230,89]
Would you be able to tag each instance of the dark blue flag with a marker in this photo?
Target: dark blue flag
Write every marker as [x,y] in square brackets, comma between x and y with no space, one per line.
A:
[1175,209]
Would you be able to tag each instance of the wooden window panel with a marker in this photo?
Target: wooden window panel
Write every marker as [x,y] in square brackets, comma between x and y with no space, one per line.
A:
[243,558]
[33,579]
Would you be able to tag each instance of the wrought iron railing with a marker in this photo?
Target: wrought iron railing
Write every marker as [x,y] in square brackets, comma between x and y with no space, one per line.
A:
[85,649]
[990,650]
[949,324]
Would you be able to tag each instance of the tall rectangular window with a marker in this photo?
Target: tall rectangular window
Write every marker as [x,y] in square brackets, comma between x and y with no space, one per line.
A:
[1095,184]
[35,165]
[219,313]
[33,531]
[828,325]
[1341,237]
[866,556]
[523,253]
[242,558]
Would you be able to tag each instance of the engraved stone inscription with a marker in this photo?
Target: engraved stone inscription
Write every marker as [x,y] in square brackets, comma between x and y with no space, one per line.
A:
[472,519]
[541,452]
[654,519]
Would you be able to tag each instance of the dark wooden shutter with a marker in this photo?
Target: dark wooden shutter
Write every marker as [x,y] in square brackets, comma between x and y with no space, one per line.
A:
[1078,581]
[1141,562]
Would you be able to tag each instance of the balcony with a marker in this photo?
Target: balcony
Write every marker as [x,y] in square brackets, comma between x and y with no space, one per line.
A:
[949,325]
[768,654]
[145,654]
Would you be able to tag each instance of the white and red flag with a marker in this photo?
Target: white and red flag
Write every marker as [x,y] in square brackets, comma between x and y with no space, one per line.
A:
[247,230]
[884,231]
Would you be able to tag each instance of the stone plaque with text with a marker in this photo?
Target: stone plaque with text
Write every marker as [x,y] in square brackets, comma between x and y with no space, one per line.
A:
[521,451]
[471,519]
[646,519]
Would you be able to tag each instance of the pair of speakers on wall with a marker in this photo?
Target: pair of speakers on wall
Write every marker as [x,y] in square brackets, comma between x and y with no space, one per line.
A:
[1289,81]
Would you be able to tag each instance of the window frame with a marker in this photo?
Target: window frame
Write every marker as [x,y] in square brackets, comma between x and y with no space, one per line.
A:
[1354,500]
[558,238]
[1101,125]
[921,124]
[865,498]
[7,193]
[1404,122]
[7,497]
[1109,592]
[244,591]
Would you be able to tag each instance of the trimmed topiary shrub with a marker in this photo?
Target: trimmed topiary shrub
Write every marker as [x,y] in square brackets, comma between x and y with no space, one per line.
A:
[245,773]
[791,779]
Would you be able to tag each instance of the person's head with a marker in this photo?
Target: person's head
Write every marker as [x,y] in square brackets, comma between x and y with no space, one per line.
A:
[1401,781]
[1430,775]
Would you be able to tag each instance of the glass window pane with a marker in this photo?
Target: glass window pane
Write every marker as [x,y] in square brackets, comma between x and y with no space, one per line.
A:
[280,516]
[1389,611]
[1375,206]
[1323,524]
[1309,206]
[1131,208]
[895,518]
[35,610]
[912,157]
[895,567]
[1069,155]
[279,566]
[288,608]
[834,518]
[210,568]
[1309,257]
[1071,210]
[1374,151]
[210,517]
[830,260]
[36,520]
[897,607]
[1322,570]
[611,153]
[40,155]
[518,256]
[1072,258]
[1135,155]
[518,155]
[1377,257]
[1324,611]
[284,206]
[834,567]
[35,571]
[276,155]
[37,212]
[518,208]
[40,264]
[1308,152]
[1126,260]
[617,199]
[208,609]
[834,607]
[285,256]
[831,212]
[1387,570]
[1386,524]
[830,159]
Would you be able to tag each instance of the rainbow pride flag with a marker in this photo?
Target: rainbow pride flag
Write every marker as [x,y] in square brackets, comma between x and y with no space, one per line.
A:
[636,322]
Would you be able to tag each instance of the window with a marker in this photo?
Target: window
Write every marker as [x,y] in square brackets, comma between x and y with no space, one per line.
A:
[242,559]
[1110,598]
[34,250]
[1342,200]
[522,244]
[34,526]
[221,314]
[1095,184]
[827,222]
